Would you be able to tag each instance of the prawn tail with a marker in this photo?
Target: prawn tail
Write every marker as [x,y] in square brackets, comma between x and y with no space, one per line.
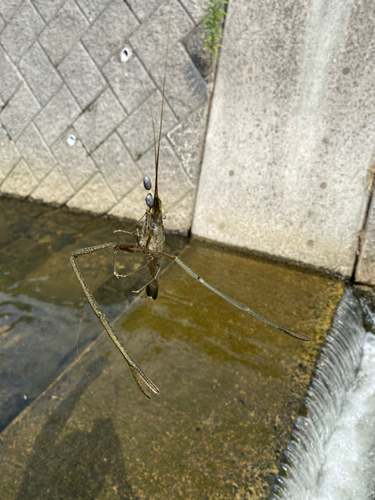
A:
[152,290]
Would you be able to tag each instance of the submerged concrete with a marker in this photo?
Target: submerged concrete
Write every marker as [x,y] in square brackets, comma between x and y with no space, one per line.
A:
[291,133]
[230,387]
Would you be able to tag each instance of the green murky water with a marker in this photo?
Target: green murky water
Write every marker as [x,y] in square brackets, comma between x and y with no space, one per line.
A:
[229,384]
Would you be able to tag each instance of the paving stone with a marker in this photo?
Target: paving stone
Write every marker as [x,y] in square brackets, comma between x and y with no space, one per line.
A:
[194,44]
[95,197]
[21,31]
[63,31]
[9,79]
[20,182]
[133,206]
[8,8]
[117,166]
[142,8]
[39,73]
[35,152]
[57,116]
[194,7]
[136,131]
[124,78]
[75,161]
[185,87]
[179,218]
[9,153]
[173,181]
[81,75]
[99,120]
[48,8]
[19,111]
[55,188]
[187,141]
[92,8]
[117,22]
[150,39]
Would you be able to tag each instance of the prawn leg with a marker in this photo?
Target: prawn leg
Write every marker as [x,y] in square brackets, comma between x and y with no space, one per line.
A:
[134,368]
[235,303]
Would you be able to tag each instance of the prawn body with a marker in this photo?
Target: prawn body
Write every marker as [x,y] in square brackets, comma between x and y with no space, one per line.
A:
[153,238]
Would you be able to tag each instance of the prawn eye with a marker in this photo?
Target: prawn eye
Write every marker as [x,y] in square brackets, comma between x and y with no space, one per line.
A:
[147,182]
[153,225]
[149,200]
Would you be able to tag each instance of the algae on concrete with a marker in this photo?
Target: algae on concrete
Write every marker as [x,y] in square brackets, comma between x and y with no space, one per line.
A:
[230,387]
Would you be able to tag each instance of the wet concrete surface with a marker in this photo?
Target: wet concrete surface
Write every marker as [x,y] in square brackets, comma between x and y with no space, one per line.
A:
[230,385]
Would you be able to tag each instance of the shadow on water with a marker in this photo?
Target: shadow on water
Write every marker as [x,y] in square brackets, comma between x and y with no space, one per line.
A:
[82,464]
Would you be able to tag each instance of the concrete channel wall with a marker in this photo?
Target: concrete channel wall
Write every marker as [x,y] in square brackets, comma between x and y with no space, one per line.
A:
[291,133]
[62,75]
[291,138]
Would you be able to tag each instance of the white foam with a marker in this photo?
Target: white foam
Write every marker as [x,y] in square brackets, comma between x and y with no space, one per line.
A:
[348,472]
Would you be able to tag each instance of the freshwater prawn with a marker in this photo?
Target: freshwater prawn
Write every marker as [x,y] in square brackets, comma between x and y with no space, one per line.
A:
[150,241]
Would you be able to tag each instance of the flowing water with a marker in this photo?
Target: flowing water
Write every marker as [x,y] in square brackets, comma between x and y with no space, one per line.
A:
[331,455]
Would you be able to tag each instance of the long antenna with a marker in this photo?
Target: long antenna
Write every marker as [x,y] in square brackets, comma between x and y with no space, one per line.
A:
[161,114]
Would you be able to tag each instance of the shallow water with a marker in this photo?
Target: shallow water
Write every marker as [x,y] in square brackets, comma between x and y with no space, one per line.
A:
[41,303]
[230,385]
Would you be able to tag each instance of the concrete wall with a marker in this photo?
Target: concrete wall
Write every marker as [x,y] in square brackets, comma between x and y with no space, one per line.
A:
[61,74]
[292,132]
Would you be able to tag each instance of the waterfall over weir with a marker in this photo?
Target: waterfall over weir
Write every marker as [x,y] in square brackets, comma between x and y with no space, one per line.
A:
[331,454]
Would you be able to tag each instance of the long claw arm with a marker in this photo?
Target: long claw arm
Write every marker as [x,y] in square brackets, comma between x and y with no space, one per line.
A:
[235,303]
[136,371]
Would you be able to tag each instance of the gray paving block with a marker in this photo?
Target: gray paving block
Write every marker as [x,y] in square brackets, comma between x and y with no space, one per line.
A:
[99,120]
[19,111]
[142,8]
[20,182]
[48,8]
[9,154]
[92,8]
[81,75]
[136,131]
[150,39]
[109,32]
[58,115]
[187,141]
[94,197]
[35,152]
[125,77]
[39,73]
[21,31]
[9,78]
[8,8]
[194,44]
[117,166]
[194,7]
[131,207]
[55,188]
[185,87]
[173,181]
[63,31]
[74,160]
[179,217]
